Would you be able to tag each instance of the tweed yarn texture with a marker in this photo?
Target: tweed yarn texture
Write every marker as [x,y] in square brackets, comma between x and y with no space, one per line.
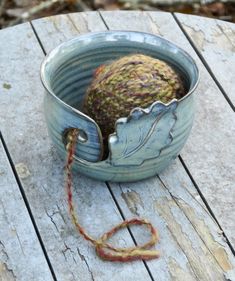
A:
[132,81]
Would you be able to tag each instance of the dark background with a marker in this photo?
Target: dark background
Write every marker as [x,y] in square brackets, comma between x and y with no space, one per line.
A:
[17,11]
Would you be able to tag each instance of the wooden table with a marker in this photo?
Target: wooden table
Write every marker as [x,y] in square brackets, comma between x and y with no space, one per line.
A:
[192,203]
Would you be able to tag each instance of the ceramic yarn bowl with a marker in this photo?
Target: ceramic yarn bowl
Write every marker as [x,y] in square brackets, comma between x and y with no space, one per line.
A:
[144,142]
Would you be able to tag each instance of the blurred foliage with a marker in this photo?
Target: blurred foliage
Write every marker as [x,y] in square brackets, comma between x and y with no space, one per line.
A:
[17,11]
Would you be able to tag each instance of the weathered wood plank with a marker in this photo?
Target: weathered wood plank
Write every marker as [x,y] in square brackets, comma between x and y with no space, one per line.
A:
[51,27]
[209,153]
[215,40]
[72,257]
[191,244]
[175,263]
[172,203]
[65,27]
[21,256]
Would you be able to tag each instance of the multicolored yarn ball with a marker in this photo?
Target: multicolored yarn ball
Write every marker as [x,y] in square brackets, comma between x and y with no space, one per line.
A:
[132,81]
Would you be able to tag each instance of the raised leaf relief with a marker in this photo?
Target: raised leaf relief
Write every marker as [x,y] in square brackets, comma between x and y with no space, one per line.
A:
[143,134]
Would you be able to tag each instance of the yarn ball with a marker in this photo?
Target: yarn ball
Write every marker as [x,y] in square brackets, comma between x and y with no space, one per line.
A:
[132,81]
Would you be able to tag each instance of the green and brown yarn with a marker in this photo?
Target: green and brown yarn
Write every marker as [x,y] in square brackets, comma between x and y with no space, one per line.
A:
[132,81]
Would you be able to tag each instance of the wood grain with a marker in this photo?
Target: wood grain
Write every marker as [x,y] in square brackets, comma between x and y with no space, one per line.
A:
[192,245]
[215,40]
[134,197]
[72,257]
[54,30]
[21,256]
[209,153]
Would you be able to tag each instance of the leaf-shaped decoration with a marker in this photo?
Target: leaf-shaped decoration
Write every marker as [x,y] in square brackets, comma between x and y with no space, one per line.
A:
[143,134]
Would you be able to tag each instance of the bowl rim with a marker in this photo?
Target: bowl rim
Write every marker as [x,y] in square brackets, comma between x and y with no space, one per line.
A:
[55,50]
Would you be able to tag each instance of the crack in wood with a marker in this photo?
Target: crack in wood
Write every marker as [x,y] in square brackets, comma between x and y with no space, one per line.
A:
[18,238]
[73,24]
[229,43]
[153,25]
[216,250]
[3,251]
[167,209]
[4,268]
[191,268]
[6,273]
[51,218]
[133,201]
[67,248]
[64,254]
[177,272]
[197,35]
[84,16]
[83,258]
[90,271]
[53,20]
[60,212]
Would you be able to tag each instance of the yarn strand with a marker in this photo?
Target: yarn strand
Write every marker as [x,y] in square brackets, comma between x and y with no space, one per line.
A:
[103,249]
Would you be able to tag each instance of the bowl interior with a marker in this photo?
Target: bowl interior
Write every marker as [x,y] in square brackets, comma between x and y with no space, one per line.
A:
[68,69]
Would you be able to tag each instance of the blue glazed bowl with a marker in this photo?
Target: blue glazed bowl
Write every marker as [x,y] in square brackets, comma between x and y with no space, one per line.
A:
[145,142]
